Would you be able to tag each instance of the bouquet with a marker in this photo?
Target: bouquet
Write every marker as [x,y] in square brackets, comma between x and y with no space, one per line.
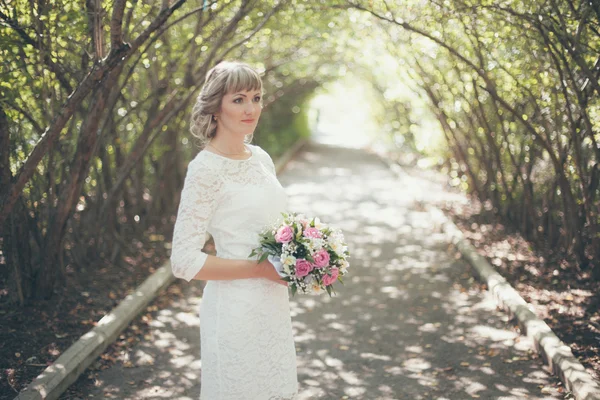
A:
[307,253]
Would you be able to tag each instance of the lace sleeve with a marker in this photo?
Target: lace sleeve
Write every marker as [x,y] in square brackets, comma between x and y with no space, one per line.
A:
[199,198]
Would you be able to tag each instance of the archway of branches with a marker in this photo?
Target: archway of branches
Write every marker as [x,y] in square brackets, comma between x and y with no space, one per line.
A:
[95,106]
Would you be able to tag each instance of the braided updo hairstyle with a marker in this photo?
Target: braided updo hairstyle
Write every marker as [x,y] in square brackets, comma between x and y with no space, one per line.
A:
[226,77]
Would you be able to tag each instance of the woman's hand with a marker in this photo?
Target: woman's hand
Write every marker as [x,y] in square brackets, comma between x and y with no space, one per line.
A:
[267,270]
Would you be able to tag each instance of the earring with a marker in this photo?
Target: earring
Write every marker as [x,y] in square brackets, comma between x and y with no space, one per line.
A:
[214,117]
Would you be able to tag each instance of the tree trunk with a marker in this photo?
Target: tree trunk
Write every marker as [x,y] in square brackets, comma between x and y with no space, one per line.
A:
[45,278]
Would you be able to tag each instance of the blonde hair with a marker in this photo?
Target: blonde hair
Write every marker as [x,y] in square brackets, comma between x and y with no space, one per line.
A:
[226,77]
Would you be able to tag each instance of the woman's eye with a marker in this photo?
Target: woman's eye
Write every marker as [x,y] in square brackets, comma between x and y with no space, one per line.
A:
[257,99]
[236,100]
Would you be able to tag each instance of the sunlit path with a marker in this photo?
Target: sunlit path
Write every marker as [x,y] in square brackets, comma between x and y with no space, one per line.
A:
[406,324]
[402,327]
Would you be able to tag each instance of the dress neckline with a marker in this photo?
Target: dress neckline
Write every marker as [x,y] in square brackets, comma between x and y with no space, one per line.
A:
[249,147]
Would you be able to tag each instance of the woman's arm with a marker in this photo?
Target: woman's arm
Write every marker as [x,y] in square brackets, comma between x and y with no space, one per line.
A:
[199,200]
[216,268]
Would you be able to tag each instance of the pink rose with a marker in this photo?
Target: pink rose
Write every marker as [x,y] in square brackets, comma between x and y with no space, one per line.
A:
[303,267]
[321,258]
[312,232]
[284,234]
[304,223]
[328,280]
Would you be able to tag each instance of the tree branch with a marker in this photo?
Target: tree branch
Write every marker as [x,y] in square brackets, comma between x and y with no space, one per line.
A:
[116,24]
[93,80]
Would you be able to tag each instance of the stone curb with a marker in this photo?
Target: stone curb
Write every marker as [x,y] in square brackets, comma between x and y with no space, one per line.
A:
[55,379]
[557,355]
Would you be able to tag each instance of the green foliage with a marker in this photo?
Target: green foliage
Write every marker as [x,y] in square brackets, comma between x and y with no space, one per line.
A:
[140,119]
[281,126]
[513,85]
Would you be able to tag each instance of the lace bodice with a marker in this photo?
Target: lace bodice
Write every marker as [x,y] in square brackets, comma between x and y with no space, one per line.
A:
[233,200]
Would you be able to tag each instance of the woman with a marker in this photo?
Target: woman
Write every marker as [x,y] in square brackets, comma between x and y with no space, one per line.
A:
[231,191]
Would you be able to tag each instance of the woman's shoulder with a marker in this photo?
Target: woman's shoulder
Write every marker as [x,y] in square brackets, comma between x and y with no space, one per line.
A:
[259,150]
[204,163]
[208,161]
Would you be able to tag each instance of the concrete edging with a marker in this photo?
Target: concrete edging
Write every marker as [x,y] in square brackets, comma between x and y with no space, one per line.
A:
[557,354]
[55,379]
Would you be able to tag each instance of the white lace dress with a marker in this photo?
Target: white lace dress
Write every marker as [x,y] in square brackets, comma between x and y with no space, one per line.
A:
[247,346]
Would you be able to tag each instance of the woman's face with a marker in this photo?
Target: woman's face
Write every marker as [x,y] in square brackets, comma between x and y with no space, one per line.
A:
[239,112]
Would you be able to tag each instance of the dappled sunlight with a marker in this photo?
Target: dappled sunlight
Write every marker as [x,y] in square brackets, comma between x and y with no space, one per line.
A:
[401,327]
[165,338]
[404,325]
[187,319]
[491,333]
[167,364]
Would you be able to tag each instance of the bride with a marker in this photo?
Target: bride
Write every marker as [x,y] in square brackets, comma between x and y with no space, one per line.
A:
[231,191]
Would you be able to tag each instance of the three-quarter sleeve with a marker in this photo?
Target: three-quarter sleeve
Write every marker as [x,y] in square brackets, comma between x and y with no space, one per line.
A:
[199,199]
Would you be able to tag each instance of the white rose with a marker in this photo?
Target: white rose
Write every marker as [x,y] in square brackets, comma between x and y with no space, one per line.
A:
[317,243]
[288,260]
[337,247]
[319,224]
[310,246]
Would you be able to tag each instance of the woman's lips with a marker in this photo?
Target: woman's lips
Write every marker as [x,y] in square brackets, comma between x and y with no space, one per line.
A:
[248,121]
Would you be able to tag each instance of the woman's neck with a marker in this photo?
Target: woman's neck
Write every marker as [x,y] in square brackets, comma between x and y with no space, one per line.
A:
[228,144]
[229,148]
